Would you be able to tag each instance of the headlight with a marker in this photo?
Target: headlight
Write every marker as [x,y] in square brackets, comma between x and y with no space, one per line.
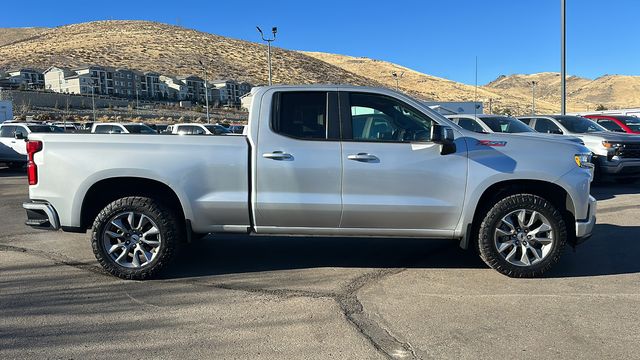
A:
[583,160]
[611,145]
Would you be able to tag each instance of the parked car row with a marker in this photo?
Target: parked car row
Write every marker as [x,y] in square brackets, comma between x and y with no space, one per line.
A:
[13,150]
[615,149]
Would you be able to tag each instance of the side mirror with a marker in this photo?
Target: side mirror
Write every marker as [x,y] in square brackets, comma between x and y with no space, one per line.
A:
[444,136]
[19,136]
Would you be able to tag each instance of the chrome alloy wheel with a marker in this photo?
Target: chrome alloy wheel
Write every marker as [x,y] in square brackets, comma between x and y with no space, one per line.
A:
[523,237]
[131,239]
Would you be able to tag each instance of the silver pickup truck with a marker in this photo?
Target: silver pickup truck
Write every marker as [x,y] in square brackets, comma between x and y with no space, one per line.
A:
[316,160]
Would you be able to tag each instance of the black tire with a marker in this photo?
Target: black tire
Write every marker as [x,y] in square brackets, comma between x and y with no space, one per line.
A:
[626,181]
[168,226]
[487,246]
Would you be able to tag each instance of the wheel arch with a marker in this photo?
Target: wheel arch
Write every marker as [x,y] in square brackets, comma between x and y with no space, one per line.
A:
[107,190]
[552,192]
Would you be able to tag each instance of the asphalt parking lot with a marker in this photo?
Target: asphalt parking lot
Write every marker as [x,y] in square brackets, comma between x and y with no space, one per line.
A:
[318,298]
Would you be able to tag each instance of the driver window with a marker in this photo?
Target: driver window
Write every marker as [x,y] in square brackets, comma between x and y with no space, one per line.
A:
[381,118]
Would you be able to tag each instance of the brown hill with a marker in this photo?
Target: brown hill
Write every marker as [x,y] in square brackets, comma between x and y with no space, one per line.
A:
[612,91]
[427,86]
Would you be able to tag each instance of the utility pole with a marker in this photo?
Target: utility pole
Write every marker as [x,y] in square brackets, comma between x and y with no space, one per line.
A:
[490,106]
[397,77]
[274,30]
[206,89]
[93,101]
[563,57]
[137,103]
[533,97]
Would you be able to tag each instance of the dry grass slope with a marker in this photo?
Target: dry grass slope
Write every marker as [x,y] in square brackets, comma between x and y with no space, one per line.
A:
[12,35]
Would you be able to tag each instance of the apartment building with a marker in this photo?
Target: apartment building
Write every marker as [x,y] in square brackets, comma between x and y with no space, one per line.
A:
[129,83]
[176,89]
[124,83]
[65,80]
[195,87]
[231,91]
[102,78]
[28,78]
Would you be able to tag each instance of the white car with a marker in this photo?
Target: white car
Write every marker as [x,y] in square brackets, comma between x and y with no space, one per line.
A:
[198,129]
[13,149]
[486,124]
[118,128]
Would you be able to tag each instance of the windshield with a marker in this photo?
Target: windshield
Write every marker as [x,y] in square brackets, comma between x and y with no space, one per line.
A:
[217,129]
[139,129]
[579,125]
[503,124]
[631,121]
[45,129]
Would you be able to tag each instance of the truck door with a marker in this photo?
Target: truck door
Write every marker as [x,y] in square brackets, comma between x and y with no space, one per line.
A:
[297,162]
[394,177]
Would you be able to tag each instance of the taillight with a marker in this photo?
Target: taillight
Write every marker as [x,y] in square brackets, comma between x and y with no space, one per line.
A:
[33,146]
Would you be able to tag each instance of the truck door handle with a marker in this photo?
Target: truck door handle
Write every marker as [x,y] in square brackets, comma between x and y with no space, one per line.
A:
[277,155]
[363,157]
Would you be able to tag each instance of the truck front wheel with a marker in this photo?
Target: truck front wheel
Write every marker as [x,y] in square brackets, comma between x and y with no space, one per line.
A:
[135,237]
[522,235]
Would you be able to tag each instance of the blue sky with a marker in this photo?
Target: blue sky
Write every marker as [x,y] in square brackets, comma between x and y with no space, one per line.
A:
[441,38]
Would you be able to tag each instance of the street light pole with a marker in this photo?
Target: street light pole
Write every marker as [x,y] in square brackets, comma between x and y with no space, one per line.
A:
[563,57]
[274,30]
[533,97]
[206,90]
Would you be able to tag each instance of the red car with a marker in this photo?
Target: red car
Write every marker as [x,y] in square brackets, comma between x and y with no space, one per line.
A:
[618,123]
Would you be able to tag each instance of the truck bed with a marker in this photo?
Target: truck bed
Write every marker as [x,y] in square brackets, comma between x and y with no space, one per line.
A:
[209,174]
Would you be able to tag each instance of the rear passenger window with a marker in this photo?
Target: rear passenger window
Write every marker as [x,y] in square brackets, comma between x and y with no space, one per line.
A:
[526,121]
[470,125]
[610,125]
[103,129]
[547,126]
[301,115]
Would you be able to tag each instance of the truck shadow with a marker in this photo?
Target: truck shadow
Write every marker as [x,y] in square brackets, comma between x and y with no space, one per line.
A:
[6,172]
[609,190]
[612,250]
[233,254]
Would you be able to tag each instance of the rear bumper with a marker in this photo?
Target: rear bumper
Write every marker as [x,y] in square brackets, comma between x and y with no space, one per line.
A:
[584,228]
[41,215]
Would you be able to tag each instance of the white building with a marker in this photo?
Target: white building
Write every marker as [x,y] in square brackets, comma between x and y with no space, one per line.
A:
[63,80]
[176,89]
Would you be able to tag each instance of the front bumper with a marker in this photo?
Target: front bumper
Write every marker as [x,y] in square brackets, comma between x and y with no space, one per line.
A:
[584,228]
[41,215]
[619,167]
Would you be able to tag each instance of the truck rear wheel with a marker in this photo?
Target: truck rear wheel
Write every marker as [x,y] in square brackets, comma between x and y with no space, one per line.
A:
[135,237]
[522,235]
